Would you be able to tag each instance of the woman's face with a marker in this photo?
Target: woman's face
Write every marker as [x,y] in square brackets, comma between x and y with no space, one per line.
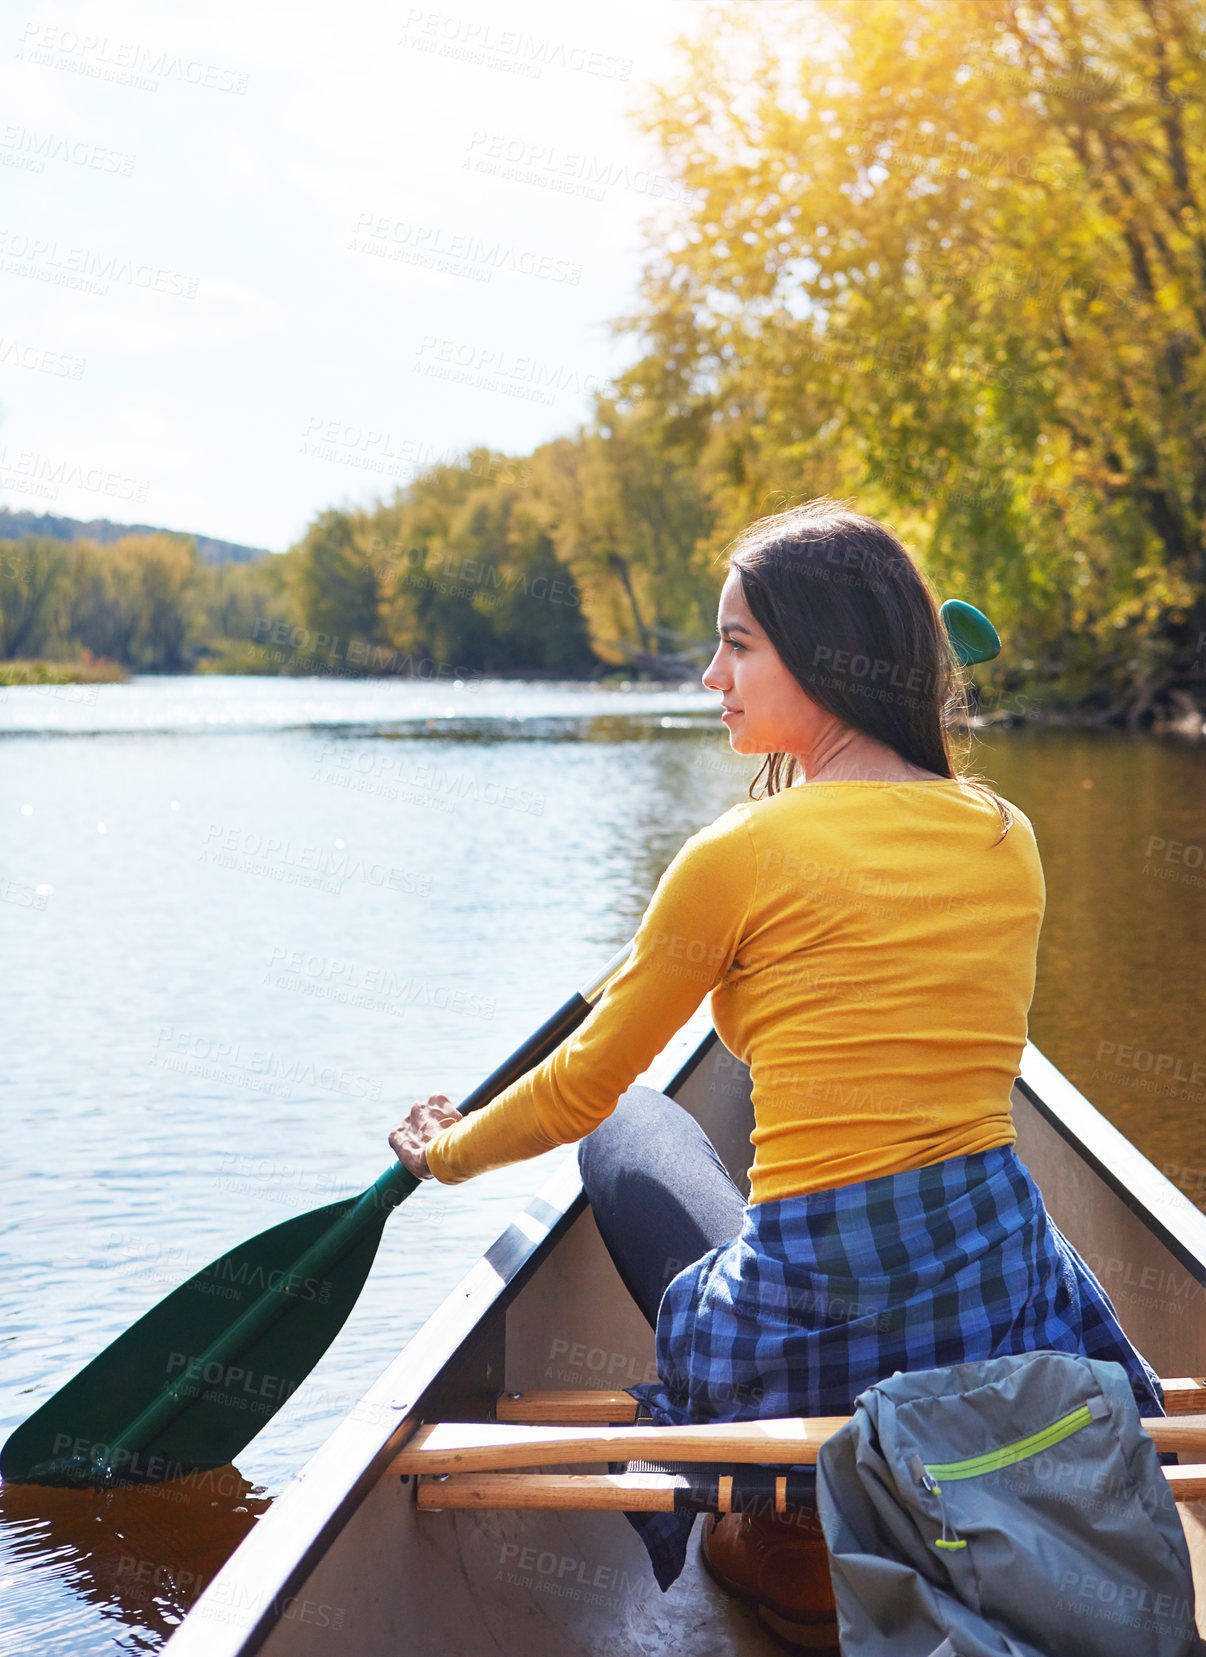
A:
[766,709]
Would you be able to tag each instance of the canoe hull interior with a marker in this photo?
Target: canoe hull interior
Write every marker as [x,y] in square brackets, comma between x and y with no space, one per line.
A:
[345,1562]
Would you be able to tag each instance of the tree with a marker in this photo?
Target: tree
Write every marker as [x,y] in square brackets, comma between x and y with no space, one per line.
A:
[247,610]
[952,258]
[470,575]
[162,573]
[626,512]
[336,586]
[34,584]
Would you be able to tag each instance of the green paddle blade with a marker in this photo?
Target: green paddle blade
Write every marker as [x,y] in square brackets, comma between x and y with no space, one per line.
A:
[973,637]
[196,1378]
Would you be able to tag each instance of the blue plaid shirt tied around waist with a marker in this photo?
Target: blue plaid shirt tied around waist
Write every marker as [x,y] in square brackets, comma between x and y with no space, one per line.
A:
[822,1295]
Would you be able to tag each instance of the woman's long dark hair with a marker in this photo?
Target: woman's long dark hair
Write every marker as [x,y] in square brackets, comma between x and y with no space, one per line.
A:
[854,621]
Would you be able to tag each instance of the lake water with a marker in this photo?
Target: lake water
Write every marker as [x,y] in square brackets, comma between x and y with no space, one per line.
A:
[246,921]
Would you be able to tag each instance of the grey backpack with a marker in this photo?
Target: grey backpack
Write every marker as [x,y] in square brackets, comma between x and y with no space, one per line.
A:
[1013,1506]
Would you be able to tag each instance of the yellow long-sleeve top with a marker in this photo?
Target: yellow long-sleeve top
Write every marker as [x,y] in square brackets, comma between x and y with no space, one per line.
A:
[870,955]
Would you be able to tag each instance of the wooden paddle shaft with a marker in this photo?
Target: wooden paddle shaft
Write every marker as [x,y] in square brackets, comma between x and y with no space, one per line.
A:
[651,1492]
[748,1490]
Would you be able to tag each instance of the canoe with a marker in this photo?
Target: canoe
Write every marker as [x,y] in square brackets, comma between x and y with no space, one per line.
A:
[345,1560]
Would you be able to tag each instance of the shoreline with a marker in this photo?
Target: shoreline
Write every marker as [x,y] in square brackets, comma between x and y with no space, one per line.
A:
[1177,713]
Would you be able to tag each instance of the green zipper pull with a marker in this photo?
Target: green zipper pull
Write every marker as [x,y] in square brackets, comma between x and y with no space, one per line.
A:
[927,1482]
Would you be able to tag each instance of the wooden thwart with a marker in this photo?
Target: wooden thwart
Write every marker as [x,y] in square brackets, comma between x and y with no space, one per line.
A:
[1184,1396]
[572,1406]
[481,1447]
[1188,1484]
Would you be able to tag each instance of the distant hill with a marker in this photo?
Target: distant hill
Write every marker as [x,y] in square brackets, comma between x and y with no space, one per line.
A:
[22,526]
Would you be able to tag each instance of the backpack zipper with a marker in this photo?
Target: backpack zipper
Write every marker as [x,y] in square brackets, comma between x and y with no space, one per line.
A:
[928,1474]
[927,1481]
[994,1460]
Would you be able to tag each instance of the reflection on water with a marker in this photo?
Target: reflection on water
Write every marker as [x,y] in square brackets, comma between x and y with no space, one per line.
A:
[142,1556]
[1120,1003]
[243,944]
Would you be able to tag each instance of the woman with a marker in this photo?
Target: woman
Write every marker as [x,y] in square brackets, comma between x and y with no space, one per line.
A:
[869,938]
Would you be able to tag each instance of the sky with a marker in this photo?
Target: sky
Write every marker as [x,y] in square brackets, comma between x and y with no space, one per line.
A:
[257,261]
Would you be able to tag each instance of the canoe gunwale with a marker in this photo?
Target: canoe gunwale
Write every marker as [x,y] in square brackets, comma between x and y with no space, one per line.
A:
[1121,1166]
[285,1546]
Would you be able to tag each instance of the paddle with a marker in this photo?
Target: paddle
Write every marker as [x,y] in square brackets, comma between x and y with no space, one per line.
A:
[196,1378]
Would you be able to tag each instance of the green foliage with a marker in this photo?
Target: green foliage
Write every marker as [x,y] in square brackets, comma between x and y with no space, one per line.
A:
[144,603]
[247,608]
[626,512]
[336,586]
[135,601]
[34,587]
[471,576]
[951,259]
[37,672]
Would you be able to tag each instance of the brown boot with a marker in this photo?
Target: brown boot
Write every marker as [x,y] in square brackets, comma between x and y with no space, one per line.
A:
[781,1564]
